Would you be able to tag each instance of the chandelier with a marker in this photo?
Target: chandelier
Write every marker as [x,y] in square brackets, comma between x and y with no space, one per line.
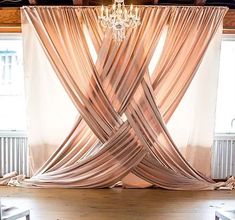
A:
[118,18]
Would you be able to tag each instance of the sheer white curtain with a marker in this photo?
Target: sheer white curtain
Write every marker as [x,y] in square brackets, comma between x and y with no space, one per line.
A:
[192,124]
[46,101]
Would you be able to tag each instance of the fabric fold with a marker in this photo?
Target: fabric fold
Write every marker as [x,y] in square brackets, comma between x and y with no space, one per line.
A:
[103,147]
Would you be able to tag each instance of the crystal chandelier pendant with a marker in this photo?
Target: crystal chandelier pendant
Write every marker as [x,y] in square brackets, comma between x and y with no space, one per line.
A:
[118,18]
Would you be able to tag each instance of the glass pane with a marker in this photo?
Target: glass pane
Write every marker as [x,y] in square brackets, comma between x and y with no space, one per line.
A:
[12,100]
[225,111]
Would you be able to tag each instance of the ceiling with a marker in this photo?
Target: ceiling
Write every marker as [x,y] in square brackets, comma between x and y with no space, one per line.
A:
[17,3]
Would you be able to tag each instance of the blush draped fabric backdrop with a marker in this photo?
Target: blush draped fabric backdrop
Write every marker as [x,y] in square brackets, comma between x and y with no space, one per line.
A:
[120,132]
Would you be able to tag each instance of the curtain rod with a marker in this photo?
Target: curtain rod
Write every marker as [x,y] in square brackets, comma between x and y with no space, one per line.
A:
[145,6]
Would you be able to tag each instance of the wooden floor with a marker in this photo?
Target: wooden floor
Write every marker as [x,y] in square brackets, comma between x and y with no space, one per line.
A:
[117,203]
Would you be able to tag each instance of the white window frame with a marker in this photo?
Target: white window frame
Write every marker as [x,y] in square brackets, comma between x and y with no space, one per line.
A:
[12,132]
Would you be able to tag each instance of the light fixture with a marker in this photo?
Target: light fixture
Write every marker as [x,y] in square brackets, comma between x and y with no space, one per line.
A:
[118,18]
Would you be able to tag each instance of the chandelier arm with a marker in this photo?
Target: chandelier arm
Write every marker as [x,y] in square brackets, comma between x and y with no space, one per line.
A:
[118,18]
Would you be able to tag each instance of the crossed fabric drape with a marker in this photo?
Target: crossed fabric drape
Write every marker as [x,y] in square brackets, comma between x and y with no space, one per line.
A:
[123,111]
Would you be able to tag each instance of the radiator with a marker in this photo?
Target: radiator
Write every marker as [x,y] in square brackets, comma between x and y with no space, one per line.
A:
[223,156]
[13,153]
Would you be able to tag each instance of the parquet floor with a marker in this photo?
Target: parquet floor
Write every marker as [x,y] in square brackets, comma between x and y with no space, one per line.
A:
[117,203]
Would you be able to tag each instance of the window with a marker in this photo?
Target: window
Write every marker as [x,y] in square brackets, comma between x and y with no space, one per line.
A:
[225,111]
[12,100]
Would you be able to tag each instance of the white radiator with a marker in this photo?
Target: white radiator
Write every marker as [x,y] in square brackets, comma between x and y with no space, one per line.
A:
[13,153]
[223,156]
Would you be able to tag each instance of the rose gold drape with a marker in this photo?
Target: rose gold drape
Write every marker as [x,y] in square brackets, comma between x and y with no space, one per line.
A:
[102,148]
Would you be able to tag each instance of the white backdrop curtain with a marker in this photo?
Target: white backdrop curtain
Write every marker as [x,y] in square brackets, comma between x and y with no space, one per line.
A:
[46,102]
[192,124]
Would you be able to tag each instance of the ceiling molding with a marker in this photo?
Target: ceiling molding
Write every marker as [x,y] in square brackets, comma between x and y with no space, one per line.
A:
[10,16]
[10,21]
[10,29]
[229,21]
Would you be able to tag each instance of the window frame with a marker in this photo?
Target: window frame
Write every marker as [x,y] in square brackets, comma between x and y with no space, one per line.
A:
[226,37]
[12,132]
